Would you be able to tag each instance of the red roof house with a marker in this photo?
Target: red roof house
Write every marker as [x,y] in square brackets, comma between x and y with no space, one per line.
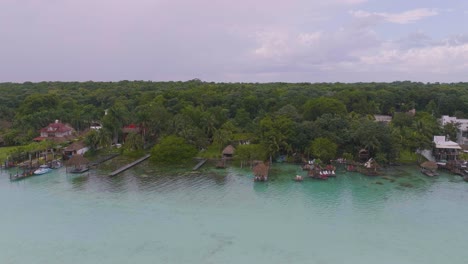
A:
[132,128]
[56,131]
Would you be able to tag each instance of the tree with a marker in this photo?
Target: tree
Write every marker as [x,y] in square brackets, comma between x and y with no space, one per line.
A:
[133,142]
[314,108]
[224,135]
[402,120]
[451,130]
[91,140]
[250,152]
[323,148]
[98,138]
[114,120]
[274,134]
[172,150]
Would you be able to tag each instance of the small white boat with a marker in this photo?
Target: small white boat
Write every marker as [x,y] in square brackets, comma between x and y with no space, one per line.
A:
[56,164]
[42,170]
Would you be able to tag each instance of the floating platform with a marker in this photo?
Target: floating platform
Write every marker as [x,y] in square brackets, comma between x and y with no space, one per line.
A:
[128,166]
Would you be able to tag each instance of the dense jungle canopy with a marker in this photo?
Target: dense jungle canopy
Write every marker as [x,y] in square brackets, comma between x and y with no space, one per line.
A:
[276,118]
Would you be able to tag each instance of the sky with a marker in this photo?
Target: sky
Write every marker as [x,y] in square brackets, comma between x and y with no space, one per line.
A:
[234,41]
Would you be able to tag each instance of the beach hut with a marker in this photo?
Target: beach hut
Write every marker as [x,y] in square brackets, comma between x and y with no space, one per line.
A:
[430,165]
[77,164]
[260,171]
[228,152]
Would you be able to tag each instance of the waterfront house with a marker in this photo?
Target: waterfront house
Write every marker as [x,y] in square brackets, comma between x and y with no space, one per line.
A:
[57,132]
[132,128]
[445,150]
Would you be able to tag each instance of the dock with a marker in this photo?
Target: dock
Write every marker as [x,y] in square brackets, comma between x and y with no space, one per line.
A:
[128,166]
[199,164]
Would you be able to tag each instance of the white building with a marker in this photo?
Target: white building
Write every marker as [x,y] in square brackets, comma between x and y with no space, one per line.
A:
[383,118]
[445,150]
[462,135]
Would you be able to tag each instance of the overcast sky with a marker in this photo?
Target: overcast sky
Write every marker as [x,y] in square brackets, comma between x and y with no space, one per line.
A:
[234,41]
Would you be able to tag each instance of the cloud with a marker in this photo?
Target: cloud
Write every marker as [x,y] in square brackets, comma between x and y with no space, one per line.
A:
[224,40]
[438,59]
[398,18]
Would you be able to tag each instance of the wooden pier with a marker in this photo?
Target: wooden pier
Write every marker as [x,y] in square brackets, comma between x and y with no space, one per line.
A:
[199,164]
[128,166]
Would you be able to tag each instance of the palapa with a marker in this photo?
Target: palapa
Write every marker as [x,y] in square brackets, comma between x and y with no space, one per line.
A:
[229,150]
[77,160]
[429,165]
[260,170]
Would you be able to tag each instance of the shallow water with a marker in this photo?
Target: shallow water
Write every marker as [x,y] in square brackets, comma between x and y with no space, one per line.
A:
[146,215]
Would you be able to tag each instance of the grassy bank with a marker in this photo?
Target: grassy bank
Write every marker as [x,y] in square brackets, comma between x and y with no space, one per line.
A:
[409,157]
[212,152]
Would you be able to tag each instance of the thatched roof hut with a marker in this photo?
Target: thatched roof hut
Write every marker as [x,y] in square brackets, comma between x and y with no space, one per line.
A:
[77,160]
[430,165]
[260,170]
[228,151]
[75,146]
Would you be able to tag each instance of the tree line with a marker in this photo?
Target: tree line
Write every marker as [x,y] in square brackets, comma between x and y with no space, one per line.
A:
[323,120]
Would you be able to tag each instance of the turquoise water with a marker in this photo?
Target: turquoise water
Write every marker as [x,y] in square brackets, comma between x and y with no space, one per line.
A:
[222,216]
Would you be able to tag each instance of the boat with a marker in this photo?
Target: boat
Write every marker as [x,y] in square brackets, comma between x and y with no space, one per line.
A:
[56,164]
[318,174]
[19,176]
[298,178]
[42,170]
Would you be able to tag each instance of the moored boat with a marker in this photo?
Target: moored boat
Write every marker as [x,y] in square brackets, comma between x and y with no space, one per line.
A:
[19,176]
[56,164]
[43,169]
[298,178]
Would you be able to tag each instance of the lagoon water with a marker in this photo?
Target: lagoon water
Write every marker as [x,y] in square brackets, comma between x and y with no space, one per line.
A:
[221,216]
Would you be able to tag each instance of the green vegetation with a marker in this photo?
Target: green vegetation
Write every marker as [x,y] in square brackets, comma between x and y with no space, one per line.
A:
[172,150]
[275,118]
[5,152]
[323,148]
[212,152]
[407,156]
